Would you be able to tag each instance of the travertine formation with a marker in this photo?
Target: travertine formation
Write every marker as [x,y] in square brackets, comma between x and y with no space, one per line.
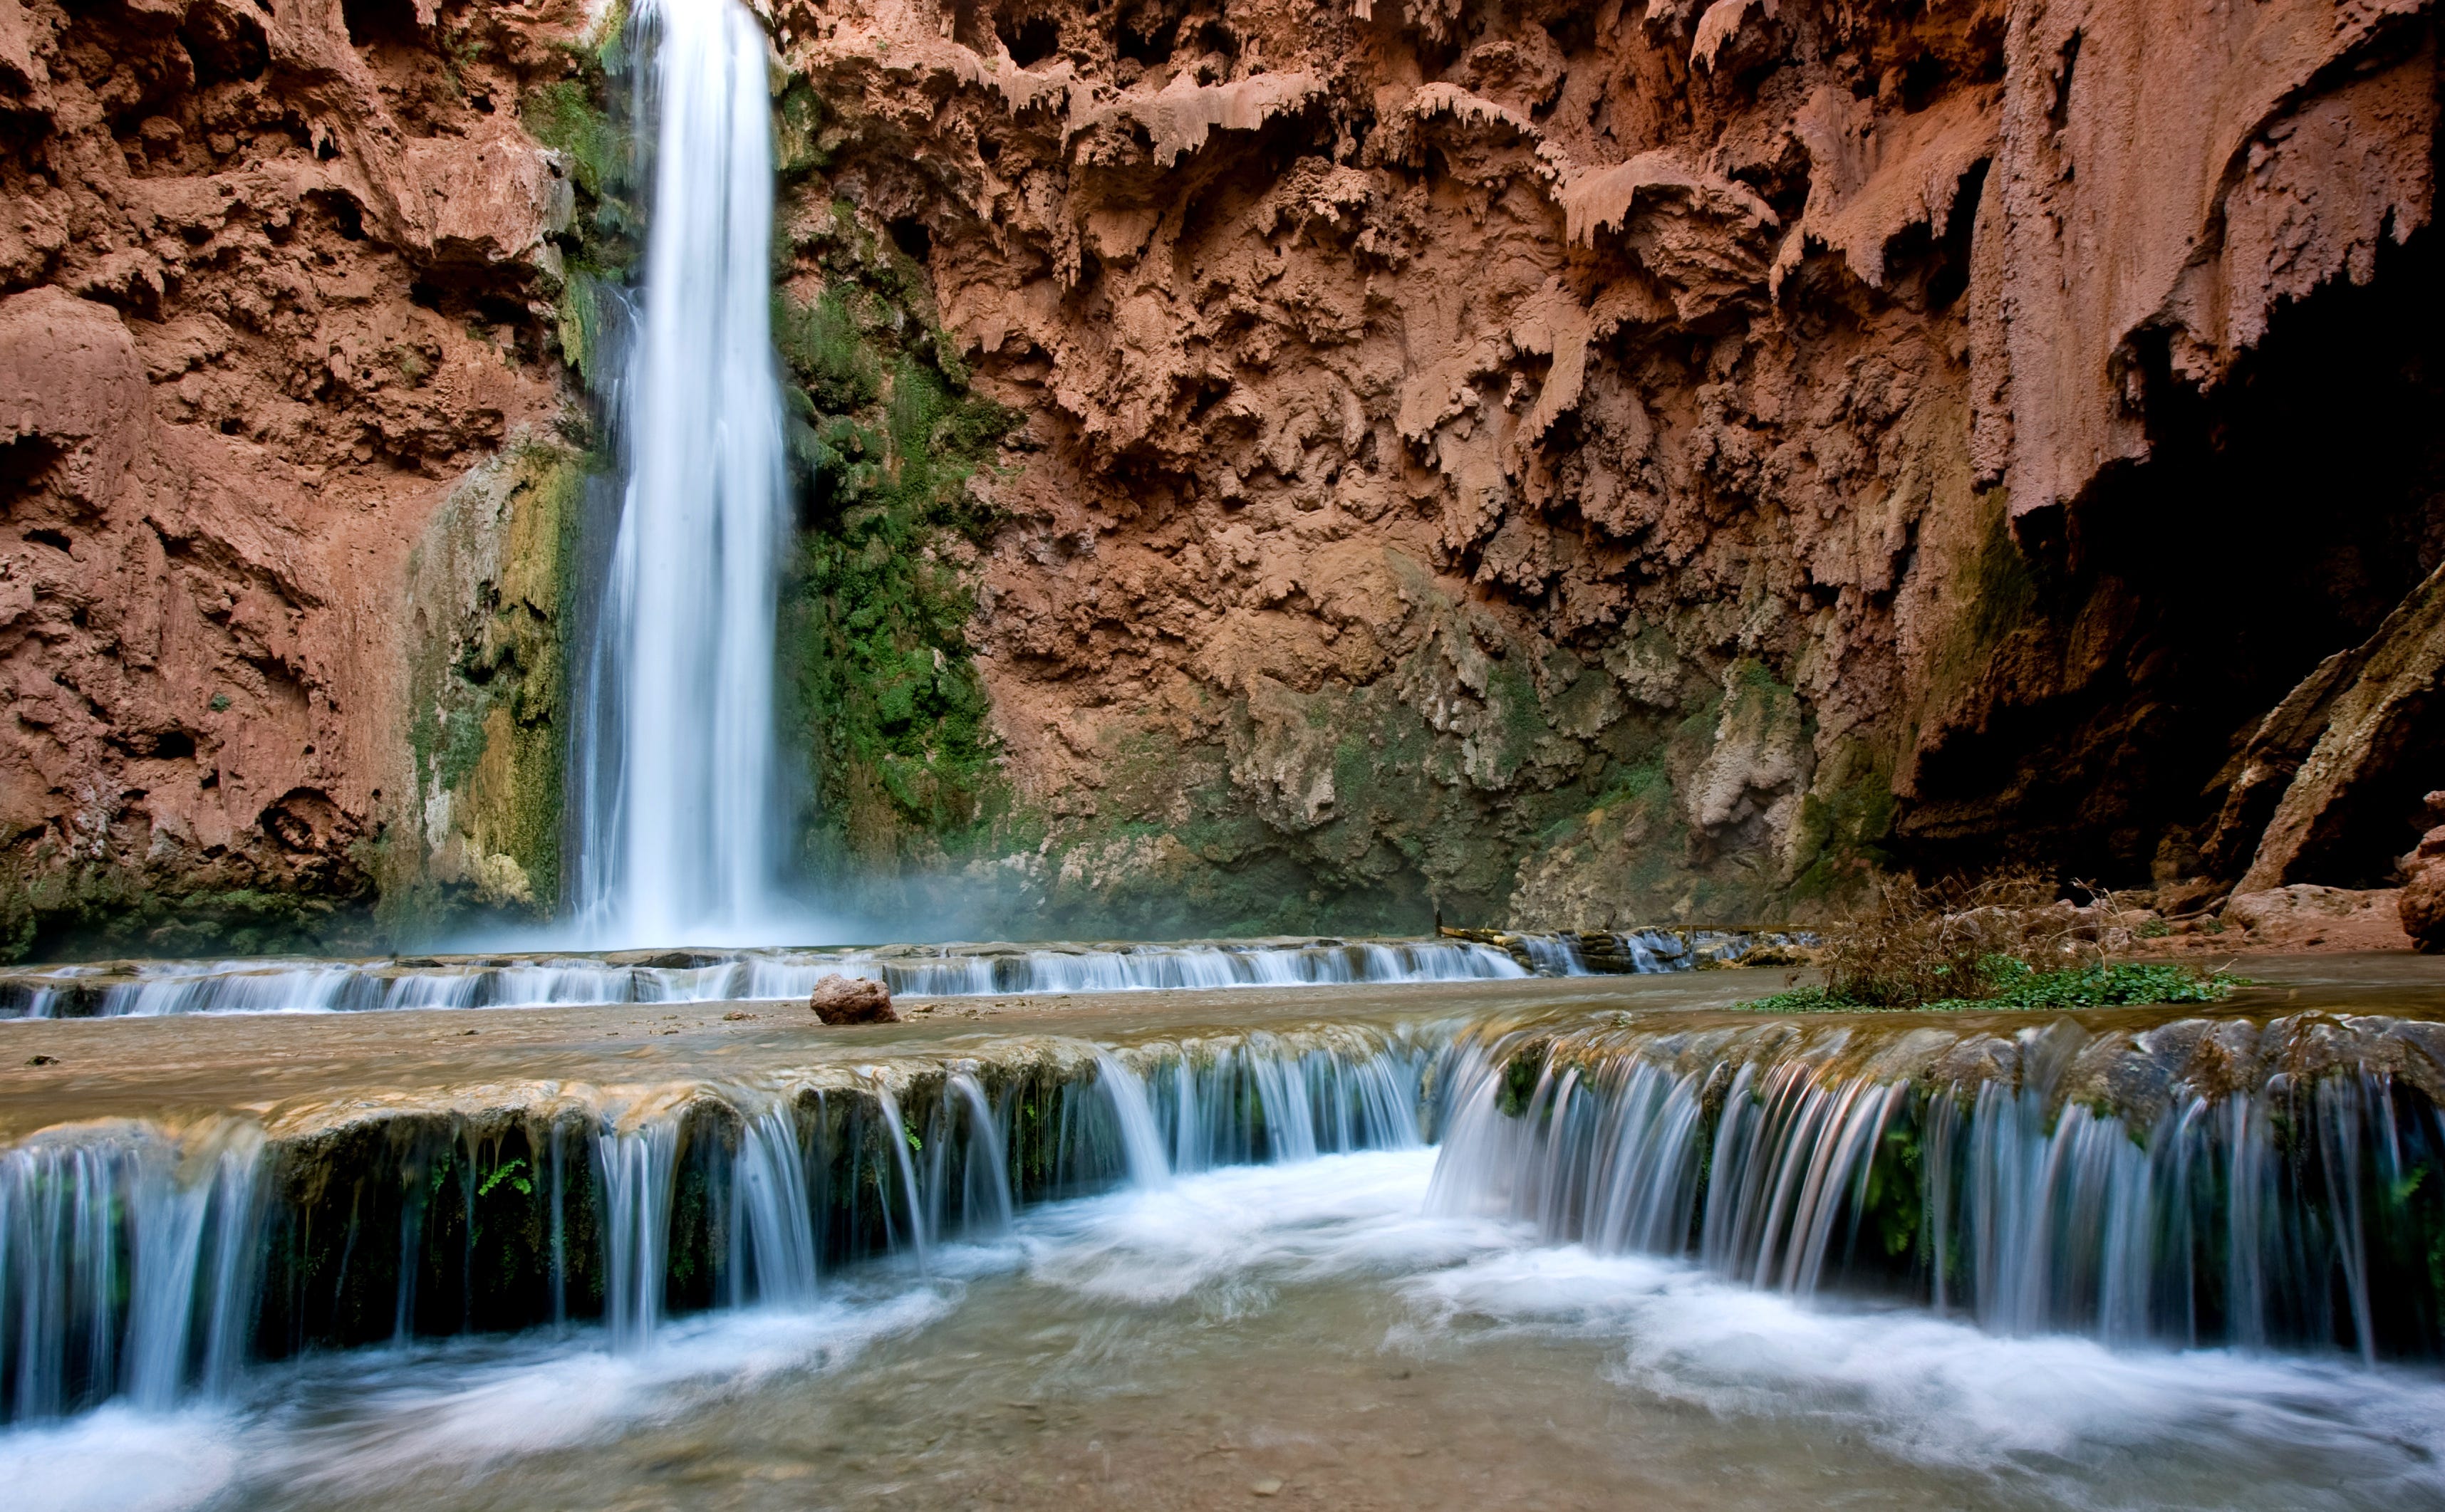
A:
[1576,465]
[1692,451]
[268,272]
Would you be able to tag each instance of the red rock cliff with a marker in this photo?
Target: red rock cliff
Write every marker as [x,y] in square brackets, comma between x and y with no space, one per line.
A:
[1577,463]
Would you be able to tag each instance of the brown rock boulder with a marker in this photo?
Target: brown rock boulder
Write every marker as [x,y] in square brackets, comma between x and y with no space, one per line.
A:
[852,1000]
[2310,918]
[2423,905]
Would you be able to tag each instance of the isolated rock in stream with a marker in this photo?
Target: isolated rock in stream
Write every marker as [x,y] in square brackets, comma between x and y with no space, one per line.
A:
[852,1000]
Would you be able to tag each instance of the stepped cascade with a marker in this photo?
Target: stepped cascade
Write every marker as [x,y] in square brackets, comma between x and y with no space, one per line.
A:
[324,985]
[1678,754]
[2166,1182]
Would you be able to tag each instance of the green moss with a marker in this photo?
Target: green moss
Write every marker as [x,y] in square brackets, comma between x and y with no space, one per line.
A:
[837,369]
[1844,821]
[494,586]
[1995,594]
[877,670]
[567,116]
[799,146]
[93,911]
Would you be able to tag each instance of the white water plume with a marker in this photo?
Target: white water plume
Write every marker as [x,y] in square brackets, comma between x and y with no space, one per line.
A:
[677,786]
[1142,1142]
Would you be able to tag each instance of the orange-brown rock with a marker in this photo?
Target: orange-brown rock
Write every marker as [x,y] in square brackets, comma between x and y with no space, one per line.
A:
[1580,463]
[1597,463]
[2423,889]
[2306,917]
[267,274]
[852,1000]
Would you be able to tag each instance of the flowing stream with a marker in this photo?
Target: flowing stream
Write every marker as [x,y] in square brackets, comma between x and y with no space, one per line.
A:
[675,779]
[1563,1255]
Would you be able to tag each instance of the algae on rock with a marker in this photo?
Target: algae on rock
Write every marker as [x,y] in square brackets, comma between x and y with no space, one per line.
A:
[492,590]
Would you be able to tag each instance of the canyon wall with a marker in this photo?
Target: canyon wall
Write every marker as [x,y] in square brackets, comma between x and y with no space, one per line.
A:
[1264,466]
[1593,463]
[271,272]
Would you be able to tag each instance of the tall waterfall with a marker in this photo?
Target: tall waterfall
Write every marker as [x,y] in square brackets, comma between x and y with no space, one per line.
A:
[674,780]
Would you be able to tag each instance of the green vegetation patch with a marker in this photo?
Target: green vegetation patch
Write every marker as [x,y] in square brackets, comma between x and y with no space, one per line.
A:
[2008,984]
[877,670]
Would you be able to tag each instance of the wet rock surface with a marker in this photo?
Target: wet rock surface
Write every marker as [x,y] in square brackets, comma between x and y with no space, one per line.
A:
[851,1000]
[1593,467]
[268,282]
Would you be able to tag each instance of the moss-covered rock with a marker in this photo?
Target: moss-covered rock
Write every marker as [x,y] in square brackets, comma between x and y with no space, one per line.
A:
[491,587]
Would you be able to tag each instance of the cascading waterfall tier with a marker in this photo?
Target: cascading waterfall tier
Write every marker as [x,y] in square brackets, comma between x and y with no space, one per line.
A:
[2191,1181]
[147,1265]
[153,988]
[675,779]
[2202,1183]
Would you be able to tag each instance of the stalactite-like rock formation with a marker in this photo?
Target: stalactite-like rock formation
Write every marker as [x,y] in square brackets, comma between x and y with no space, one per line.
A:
[1576,466]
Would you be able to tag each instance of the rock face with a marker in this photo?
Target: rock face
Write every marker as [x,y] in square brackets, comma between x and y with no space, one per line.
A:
[852,1000]
[1595,463]
[267,273]
[2422,905]
[2306,917]
[1567,465]
[2423,896]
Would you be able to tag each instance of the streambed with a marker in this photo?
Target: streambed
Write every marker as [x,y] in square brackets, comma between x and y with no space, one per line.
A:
[1300,1316]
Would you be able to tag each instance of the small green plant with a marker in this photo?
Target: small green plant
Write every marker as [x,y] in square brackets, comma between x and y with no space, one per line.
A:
[1520,1078]
[219,703]
[2153,930]
[507,1173]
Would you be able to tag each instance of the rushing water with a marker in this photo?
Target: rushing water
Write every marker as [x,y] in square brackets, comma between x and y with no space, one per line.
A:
[1305,1327]
[2134,1206]
[153,988]
[674,782]
[148,989]
[1585,1256]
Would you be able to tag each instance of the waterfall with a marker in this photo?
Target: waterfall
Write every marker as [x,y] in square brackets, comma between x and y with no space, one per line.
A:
[1142,1142]
[1982,1174]
[674,775]
[984,1187]
[781,1253]
[128,1264]
[638,1171]
[147,989]
[2297,1212]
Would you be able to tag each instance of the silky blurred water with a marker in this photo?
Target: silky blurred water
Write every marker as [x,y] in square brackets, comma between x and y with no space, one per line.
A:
[1307,1324]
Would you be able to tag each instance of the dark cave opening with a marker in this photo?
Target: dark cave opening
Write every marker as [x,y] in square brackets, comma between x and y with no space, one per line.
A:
[2279,518]
[1030,39]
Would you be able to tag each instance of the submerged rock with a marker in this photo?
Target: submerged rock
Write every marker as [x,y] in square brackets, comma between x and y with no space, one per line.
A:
[852,1000]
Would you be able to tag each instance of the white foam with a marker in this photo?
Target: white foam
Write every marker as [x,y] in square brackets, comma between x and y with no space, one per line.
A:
[120,1459]
[369,1418]
[2070,1412]
[1935,1391]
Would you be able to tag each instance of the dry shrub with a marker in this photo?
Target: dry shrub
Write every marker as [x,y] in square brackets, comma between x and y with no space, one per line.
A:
[1915,944]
